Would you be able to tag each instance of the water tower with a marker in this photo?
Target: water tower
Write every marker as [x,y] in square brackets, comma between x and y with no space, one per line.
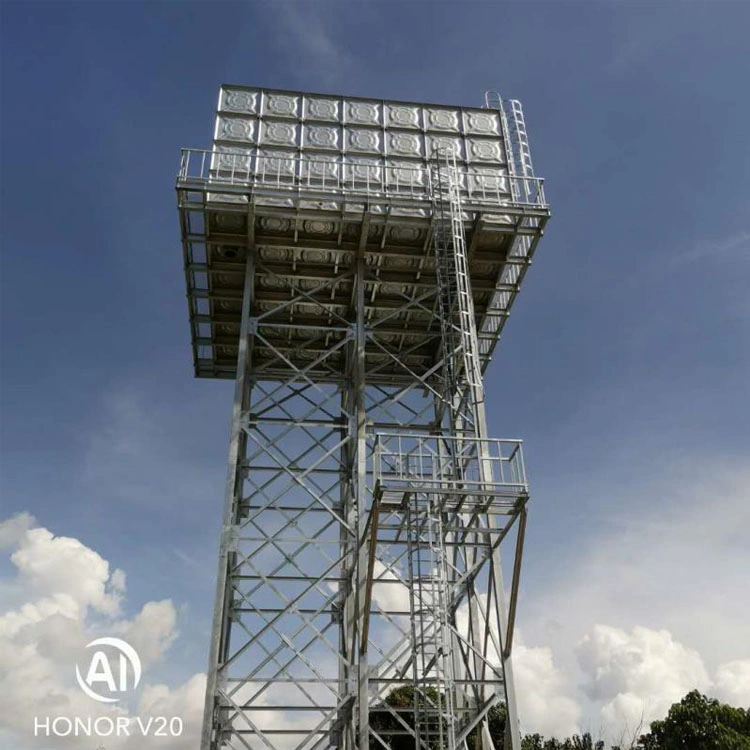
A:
[350,264]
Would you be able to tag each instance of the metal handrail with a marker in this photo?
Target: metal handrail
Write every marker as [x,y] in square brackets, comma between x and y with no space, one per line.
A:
[430,461]
[337,176]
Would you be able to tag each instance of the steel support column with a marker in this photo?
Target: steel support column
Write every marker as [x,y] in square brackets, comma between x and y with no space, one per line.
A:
[212,721]
[360,600]
[359,385]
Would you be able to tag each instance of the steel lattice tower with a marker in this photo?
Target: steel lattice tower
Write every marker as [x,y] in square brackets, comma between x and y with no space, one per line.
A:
[350,263]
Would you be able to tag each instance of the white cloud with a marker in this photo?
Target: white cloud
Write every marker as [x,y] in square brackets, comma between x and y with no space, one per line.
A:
[393,597]
[29,613]
[13,529]
[633,677]
[675,557]
[668,575]
[62,566]
[72,598]
[669,572]
[545,702]
[152,630]
[183,701]
[546,699]
[637,675]
[732,683]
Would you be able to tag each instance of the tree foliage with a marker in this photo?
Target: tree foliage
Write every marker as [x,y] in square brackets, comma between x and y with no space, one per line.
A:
[695,723]
[699,723]
[391,718]
[576,742]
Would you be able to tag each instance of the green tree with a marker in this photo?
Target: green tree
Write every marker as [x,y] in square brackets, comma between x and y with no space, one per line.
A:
[576,742]
[389,717]
[496,725]
[699,723]
[400,702]
[695,723]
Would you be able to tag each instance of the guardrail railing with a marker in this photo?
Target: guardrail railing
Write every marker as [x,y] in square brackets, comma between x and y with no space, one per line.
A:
[404,463]
[345,177]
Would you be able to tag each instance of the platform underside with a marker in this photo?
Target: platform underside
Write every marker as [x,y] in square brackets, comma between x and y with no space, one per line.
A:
[303,286]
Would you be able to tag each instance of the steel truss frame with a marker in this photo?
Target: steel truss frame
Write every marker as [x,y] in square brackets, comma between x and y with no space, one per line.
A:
[307,639]
[365,503]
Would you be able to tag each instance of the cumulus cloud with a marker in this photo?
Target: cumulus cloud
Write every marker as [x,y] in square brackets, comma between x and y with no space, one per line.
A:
[184,701]
[13,529]
[732,683]
[63,567]
[546,699]
[669,575]
[390,594]
[545,696]
[72,597]
[30,613]
[630,675]
[637,675]
[669,564]
[152,630]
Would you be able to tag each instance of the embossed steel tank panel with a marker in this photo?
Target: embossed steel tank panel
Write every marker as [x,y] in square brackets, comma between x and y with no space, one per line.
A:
[310,181]
[268,128]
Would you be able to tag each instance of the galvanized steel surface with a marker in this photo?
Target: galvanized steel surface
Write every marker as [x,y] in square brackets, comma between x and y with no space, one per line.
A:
[355,284]
[309,179]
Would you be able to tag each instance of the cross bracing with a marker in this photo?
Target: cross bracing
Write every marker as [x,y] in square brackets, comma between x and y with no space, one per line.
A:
[365,502]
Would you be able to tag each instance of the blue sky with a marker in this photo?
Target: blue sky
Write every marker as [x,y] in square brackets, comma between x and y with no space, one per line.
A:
[625,365]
